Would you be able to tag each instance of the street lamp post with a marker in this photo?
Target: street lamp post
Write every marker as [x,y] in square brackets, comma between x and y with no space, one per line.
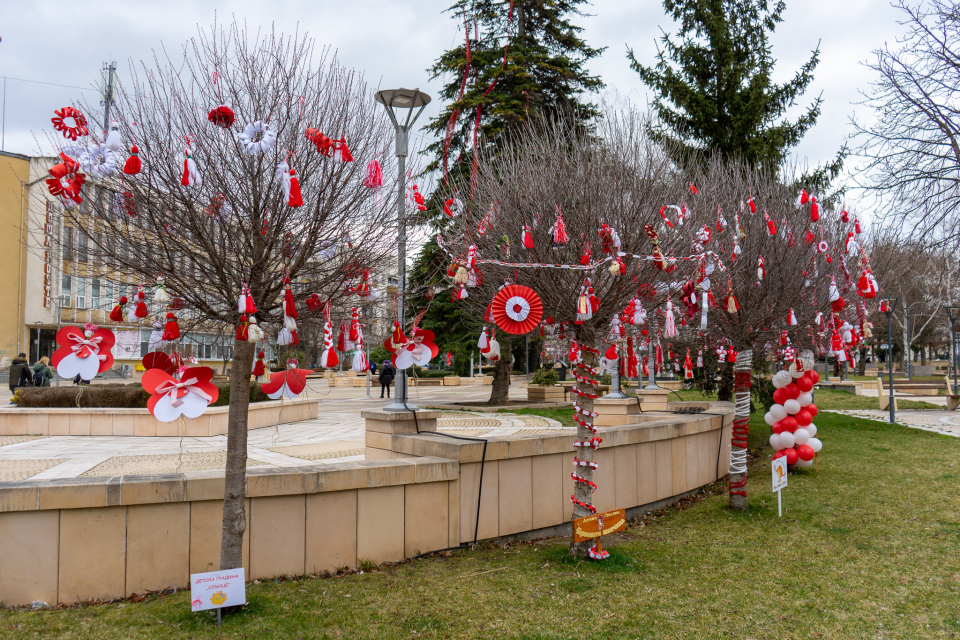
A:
[39,323]
[889,312]
[409,100]
[954,314]
[616,389]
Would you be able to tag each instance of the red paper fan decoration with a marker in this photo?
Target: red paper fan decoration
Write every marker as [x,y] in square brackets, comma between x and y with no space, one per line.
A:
[517,309]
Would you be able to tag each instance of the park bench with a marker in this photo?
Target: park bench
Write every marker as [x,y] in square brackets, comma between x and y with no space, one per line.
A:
[917,389]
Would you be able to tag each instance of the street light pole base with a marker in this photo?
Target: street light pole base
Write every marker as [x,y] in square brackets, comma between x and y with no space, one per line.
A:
[616,395]
[396,407]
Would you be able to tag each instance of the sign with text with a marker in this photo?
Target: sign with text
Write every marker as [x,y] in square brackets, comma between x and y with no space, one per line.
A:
[779,473]
[217,589]
[588,528]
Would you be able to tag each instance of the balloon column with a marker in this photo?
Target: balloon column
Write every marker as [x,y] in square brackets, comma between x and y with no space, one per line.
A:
[791,417]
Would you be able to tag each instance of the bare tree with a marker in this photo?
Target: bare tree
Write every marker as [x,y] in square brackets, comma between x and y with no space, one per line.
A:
[912,150]
[232,226]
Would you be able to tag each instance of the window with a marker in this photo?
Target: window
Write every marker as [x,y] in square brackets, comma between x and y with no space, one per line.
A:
[207,351]
[81,246]
[95,294]
[66,290]
[144,345]
[68,243]
[81,293]
[108,293]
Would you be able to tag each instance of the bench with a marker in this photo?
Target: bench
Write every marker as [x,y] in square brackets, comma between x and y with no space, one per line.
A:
[953,398]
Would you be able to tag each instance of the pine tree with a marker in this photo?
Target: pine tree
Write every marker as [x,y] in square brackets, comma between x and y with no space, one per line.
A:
[714,85]
[543,71]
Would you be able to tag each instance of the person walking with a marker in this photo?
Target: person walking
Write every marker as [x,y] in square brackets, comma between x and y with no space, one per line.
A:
[19,373]
[385,377]
[42,372]
[373,367]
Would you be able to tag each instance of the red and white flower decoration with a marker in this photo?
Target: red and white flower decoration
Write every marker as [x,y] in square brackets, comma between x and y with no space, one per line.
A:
[85,353]
[171,398]
[517,309]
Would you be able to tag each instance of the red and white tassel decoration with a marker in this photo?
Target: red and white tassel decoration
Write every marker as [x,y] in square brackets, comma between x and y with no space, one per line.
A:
[792,318]
[191,177]
[670,323]
[527,237]
[245,304]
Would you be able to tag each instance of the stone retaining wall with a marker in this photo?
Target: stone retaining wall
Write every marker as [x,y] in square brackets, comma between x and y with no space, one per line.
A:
[103,538]
[140,422]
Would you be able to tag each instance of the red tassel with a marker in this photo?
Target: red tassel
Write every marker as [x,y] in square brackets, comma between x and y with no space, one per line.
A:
[251,307]
[141,311]
[258,369]
[171,330]
[809,238]
[117,314]
[296,338]
[814,210]
[296,198]
[243,330]
[771,228]
[342,152]
[753,205]
[185,179]
[132,165]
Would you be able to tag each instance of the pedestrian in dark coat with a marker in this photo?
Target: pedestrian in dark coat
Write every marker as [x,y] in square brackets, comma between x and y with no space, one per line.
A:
[386,377]
[20,374]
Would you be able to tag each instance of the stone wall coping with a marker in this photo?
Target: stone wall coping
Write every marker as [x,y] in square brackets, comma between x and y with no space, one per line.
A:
[190,486]
[662,427]
[143,411]
[392,416]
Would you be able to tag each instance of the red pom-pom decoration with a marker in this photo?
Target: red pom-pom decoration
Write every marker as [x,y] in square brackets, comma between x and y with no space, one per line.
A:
[221,116]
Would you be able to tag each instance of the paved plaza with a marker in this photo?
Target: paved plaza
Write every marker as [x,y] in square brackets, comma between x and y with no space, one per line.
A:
[336,435]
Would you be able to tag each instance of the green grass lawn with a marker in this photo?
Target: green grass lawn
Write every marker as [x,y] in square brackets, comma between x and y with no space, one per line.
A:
[867,548]
[564,414]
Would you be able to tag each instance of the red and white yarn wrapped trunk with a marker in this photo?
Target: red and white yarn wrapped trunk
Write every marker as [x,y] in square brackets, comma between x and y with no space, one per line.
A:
[741,421]
[586,441]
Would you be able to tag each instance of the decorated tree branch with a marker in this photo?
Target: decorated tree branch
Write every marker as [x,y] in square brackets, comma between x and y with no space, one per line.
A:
[239,207]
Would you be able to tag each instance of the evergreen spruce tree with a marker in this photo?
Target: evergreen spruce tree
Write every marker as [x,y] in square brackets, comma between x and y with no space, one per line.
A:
[545,72]
[713,83]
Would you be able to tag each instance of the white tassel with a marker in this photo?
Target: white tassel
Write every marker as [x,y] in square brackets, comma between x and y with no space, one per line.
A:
[670,324]
[113,142]
[285,337]
[289,323]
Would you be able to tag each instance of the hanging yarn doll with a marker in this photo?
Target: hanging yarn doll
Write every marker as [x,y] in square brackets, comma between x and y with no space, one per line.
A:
[288,335]
[191,177]
[160,296]
[836,302]
[243,328]
[259,368]
[328,359]
[559,231]
[117,314]
[254,332]
[141,310]
[791,318]
[867,286]
[171,330]
[527,237]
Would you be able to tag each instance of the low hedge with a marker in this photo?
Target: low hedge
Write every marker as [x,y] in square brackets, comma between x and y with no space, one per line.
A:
[112,396]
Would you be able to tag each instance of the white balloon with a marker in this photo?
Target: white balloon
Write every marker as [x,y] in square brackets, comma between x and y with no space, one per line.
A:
[787,440]
[769,419]
[801,435]
[775,441]
[811,429]
[778,412]
[804,463]
[815,444]
[805,398]
[792,406]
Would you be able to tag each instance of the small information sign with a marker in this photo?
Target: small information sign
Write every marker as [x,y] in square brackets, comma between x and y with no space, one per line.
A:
[588,528]
[779,480]
[217,589]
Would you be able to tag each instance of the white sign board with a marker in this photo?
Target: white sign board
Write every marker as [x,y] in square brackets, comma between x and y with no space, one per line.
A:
[779,473]
[127,346]
[217,589]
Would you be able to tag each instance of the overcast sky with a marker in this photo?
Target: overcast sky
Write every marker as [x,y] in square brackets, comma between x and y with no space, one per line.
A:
[393,42]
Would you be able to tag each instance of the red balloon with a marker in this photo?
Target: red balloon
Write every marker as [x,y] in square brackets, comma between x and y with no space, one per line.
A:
[789,424]
[777,429]
[814,376]
[780,396]
[803,418]
[793,391]
[779,454]
[812,410]
[805,384]
[793,456]
[806,452]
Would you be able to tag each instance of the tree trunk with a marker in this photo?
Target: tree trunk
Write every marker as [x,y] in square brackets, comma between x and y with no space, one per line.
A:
[923,355]
[725,389]
[862,365]
[741,429]
[235,487]
[500,390]
[583,411]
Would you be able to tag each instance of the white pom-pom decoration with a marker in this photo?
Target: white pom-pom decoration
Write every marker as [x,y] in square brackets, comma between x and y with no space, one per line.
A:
[782,379]
[787,440]
[801,436]
[778,412]
[815,444]
[792,406]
